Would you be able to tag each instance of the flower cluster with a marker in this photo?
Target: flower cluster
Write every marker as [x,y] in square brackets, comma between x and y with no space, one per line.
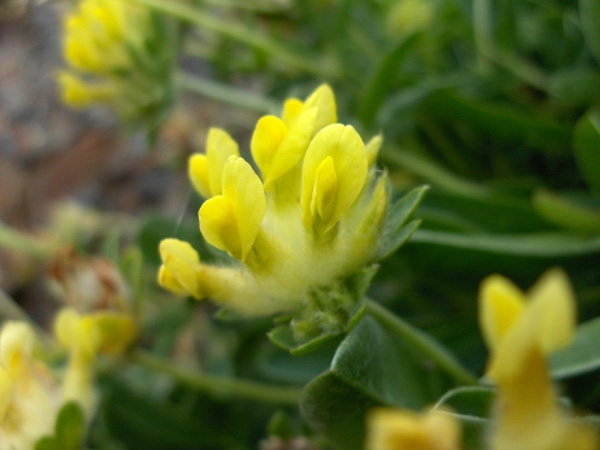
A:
[308,222]
[33,391]
[121,55]
[520,331]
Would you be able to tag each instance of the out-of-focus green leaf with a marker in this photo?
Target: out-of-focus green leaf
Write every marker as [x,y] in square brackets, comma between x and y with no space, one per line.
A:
[565,212]
[379,86]
[579,86]
[156,422]
[68,430]
[589,11]
[582,355]
[370,368]
[396,231]
[543,245]
[495,213]
[500,120]
[586,147]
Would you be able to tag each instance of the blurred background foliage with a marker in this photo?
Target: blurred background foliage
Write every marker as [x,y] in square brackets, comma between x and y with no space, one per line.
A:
[493,103]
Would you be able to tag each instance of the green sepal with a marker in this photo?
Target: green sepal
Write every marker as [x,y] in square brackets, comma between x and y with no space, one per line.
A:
[328,313]
[69,430]
[395,230]
[283,337]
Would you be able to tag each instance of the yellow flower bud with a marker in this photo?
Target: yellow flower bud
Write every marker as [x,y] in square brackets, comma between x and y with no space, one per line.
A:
[178,271]
[334,173]
[232,221]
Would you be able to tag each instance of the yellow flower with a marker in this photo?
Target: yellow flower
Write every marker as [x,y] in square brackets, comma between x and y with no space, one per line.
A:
[334,173]
[395,429]
[310,223]
[119,54]
[521,331]
[232,221]
[29,396]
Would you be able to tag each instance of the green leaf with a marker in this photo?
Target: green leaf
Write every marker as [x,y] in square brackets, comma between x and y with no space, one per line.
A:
[582,355]
[379,85]
[589,11]
[578,86]
[371,367]
[69,430]
[502,121]
[566,212]
[542,245]
[46,443]
[394,232]
[586,148]
[70,426]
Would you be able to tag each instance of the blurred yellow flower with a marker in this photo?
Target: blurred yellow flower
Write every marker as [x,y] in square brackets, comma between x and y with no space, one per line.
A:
[311,220]
[121,55]
[396,429]
[521,330]
[30,397]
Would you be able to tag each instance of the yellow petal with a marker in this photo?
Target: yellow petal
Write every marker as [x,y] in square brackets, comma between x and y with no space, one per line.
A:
[268,135]
[346,149]
[291,109]
[244,189]
[324,100]
[77,333]
[500,303]
[552,310]
[325,189]
[219,226]
[219,147]
[293,147]
[170,282]
[7,388]
[198,174]
[178,272]
[277,148]
[16,346]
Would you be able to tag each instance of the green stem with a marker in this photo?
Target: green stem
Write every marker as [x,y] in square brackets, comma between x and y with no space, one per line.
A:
[11,239]
[241,34]
[222,387]
[421,341]
[226,93]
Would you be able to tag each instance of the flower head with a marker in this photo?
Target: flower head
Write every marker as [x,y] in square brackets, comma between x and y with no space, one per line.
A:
[521,330]
[300,229]
[118,54]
